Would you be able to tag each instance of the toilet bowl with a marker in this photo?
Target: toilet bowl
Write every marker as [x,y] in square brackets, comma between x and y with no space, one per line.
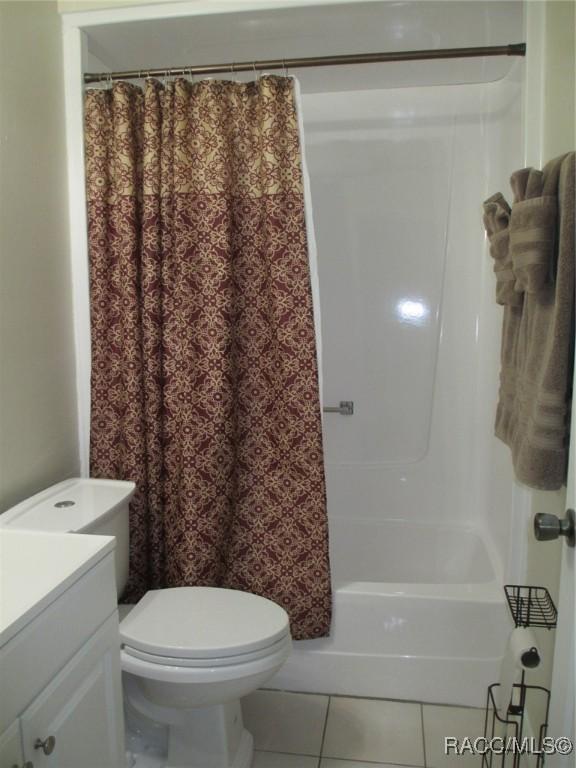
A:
[188,654]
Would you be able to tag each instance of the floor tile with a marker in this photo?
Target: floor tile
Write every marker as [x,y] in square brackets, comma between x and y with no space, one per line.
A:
[278,760]
[373,730]
[286,722]
[459,722]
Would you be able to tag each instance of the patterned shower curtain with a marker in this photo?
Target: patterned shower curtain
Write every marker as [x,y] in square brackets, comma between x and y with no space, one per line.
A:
[204,371]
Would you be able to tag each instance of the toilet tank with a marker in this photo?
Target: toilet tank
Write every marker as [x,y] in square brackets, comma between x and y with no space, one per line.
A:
[79,506]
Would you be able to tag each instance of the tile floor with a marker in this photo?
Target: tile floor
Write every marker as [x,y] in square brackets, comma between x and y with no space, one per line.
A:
[297,730]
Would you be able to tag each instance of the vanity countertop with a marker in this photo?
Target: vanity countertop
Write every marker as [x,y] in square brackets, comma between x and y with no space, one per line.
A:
[37,567]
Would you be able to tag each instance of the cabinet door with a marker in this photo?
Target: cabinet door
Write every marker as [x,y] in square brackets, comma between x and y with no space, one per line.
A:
[78,716]
[11,747]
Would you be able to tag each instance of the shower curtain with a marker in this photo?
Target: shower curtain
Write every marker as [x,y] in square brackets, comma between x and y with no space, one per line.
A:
[204,368]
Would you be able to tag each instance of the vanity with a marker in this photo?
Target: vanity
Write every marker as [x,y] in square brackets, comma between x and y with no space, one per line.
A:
[60,680]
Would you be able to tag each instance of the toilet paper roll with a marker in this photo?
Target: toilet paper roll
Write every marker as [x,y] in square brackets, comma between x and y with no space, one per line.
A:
[521,653]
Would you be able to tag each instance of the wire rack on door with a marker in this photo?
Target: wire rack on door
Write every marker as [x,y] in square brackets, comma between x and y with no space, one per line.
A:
[505,731]
[531,606]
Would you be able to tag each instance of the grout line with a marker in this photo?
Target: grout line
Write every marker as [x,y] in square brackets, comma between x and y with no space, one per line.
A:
[278,751]
[346,761]
[423,734]
[324,729]
[370,698]
[288,754]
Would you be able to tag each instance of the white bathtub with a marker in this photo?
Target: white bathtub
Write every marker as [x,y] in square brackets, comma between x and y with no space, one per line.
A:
[418,615]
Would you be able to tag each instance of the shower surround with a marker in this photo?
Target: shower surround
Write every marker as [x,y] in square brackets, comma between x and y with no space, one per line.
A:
[400,157]
[398,176]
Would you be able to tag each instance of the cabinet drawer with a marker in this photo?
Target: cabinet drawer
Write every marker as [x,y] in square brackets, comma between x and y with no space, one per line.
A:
[36,654]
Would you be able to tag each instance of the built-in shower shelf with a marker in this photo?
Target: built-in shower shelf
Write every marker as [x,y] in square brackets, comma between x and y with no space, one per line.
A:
[531,606]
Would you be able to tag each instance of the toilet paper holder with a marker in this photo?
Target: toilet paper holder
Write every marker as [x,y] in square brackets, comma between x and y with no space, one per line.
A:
[513,724]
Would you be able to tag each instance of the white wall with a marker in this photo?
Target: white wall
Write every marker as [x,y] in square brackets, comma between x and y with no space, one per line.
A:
[398,178]
[38,441]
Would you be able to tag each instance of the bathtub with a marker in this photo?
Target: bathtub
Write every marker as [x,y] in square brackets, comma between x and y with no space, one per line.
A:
[419,614]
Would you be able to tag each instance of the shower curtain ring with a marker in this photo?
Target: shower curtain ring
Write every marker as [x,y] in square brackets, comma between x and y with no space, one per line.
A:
[254,68]
[284,68]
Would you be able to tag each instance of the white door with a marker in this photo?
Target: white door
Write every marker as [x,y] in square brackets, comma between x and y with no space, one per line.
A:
[77,717]
[10,747]
[562,714]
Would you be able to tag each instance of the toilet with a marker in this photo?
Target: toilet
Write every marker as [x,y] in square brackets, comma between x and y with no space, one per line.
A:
[189,654]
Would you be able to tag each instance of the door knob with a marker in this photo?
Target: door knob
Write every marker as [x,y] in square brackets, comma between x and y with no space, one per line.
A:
[548,527]
[47,745]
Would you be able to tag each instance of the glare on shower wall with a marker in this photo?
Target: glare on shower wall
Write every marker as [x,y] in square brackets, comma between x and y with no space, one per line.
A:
[412,311]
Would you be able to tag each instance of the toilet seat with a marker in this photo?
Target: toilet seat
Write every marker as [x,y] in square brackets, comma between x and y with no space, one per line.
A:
[203,627]
[163,669]
[214,661]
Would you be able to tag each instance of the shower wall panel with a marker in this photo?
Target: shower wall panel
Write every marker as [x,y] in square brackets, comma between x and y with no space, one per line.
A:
[381,201]
[398,177]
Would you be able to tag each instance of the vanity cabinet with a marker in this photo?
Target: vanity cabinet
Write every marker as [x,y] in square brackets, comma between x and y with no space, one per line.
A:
[60,678]
[74,719]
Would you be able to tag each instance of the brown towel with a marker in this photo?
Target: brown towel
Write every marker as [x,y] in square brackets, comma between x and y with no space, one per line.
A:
[538,338]
[496,221]
[533,225]
[532,236]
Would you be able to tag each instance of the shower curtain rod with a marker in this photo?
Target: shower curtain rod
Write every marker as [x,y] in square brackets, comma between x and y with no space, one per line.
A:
[514,49]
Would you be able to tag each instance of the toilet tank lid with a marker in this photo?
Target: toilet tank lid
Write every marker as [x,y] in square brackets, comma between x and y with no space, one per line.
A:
[76,505]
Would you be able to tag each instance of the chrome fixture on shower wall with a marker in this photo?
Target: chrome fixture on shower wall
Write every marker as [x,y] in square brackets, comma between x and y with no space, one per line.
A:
[344,408]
